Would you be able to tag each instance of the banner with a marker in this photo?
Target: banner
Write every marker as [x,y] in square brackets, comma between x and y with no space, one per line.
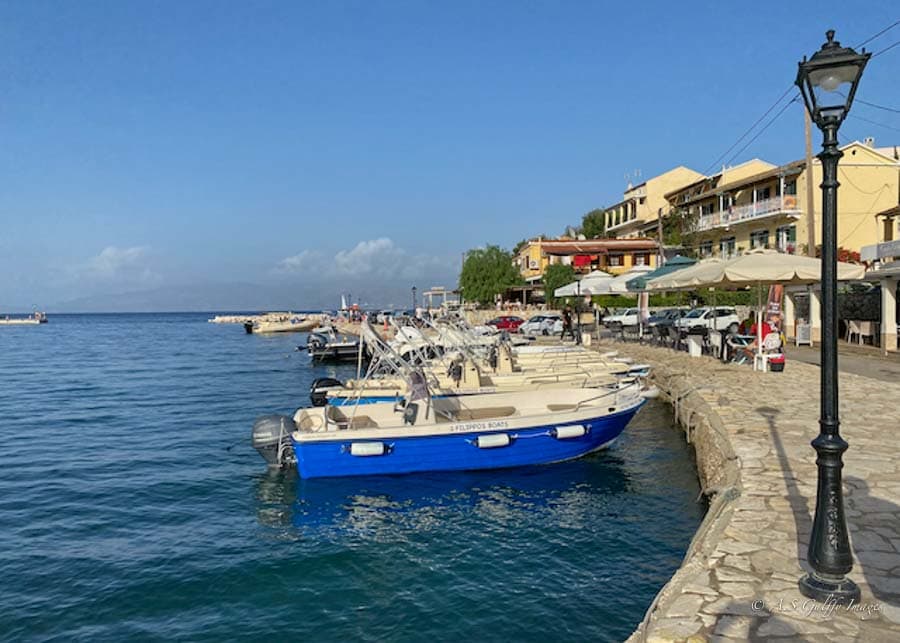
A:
[774,313]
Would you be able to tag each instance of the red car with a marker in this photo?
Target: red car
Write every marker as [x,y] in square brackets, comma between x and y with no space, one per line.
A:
[508,323]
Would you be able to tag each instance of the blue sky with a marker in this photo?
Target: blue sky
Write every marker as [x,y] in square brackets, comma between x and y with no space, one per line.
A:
[299,149]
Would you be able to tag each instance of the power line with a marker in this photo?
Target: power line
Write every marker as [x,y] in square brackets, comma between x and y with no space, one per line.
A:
[885,30]
[866,120]
[887,109]
[749,129]
[886,49]
[767,125]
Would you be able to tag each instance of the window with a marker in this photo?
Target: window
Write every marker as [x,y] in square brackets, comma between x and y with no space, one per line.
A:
[706,208]
[726,246]
[790,187]
[759,239]
[642,259]
[706,249]
[786,238]
[614,260]
[763,193]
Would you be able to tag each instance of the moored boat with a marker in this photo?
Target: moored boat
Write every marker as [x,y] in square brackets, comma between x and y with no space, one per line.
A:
[447,434]
[34,319]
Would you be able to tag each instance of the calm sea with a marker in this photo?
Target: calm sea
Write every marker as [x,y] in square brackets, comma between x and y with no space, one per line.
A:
[132,506]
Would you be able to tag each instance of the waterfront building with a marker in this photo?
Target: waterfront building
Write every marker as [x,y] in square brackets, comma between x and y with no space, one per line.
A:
[637,214]
[729,213]
[614,256]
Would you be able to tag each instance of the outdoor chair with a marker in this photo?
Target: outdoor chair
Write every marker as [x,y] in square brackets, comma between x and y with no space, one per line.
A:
[715,343]
[617,333]
[771,346]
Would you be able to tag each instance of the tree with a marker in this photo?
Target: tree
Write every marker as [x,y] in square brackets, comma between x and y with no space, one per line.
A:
[556,276]
[486,273]
[519,246]
[593,224]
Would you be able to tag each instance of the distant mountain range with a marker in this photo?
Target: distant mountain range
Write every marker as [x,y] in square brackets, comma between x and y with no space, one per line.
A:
[246,296]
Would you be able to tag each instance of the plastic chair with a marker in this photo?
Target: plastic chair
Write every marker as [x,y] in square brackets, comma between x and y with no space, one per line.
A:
[771,346]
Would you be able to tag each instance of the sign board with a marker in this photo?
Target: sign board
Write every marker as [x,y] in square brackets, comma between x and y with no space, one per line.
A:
[880,251]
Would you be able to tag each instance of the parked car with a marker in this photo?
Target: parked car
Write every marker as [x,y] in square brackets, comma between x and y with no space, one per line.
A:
[629,317]
[718,318]
[541,325]
[509,323]
[666,317]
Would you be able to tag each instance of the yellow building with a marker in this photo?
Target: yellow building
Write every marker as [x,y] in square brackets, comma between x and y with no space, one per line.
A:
[614,256]
[637,213]
[767,207]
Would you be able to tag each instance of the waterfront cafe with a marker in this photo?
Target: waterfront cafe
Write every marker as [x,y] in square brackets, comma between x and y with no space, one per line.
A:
[754,268]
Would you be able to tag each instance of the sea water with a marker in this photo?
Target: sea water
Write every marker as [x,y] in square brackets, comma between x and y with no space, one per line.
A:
[133,506]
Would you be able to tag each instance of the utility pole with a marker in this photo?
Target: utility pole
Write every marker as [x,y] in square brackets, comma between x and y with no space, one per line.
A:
[810,195]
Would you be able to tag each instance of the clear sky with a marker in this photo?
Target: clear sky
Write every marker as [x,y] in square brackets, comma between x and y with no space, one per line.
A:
[244,154]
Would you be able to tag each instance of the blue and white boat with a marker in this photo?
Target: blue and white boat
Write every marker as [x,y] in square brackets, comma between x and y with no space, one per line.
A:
[447,434]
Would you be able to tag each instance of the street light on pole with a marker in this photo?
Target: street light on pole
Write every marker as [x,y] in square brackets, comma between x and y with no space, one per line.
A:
[828,82]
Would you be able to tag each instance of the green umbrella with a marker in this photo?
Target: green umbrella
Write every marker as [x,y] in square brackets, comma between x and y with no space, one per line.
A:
[675,263]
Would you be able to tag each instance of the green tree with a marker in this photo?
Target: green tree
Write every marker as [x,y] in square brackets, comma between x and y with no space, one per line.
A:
[556,276]
[486,273]
[593,224]
[519,246]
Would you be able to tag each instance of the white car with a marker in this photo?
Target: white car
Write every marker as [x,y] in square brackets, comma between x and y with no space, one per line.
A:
[629,317]
[718,318]
[542,325]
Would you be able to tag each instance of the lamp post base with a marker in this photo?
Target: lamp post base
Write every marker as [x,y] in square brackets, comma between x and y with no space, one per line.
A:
[835,589]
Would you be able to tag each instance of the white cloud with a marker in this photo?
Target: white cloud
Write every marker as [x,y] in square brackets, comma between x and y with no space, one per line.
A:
[118,265]
[374,258]
[303,261]
[368,257]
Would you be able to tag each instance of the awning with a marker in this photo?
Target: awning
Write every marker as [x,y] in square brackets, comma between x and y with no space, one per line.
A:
[675,263]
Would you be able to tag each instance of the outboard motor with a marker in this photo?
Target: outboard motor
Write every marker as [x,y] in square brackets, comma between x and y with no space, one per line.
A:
[318,392]
[272,438]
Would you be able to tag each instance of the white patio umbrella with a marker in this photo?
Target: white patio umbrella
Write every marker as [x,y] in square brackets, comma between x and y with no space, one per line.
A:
[754,268]
[583,286]
[616,285]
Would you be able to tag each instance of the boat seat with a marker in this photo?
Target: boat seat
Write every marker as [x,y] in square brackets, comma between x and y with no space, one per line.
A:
[561,407]
[359,422]
[485,414]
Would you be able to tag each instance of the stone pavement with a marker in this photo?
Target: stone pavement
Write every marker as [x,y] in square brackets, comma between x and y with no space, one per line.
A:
[868,363]
[751,433]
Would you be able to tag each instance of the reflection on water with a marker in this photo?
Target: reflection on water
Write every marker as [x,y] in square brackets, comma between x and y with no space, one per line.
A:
[372,507]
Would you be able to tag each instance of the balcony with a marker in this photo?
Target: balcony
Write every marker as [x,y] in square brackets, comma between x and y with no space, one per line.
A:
[743,213]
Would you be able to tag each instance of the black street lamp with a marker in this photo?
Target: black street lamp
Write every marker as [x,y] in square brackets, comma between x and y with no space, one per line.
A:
[828,82]
[414,299]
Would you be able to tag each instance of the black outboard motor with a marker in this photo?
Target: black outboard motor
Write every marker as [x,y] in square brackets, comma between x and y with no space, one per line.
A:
[318,392]
[272,438]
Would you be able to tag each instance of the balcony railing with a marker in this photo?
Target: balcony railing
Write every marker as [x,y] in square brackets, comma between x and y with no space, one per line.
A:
[786,204]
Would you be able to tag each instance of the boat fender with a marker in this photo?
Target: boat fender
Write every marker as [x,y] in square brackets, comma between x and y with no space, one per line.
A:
[567,432]
[364,449]
[318,395]
[492,441]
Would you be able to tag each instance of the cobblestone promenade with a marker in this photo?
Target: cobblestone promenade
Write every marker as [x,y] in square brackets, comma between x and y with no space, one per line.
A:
[739,580]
